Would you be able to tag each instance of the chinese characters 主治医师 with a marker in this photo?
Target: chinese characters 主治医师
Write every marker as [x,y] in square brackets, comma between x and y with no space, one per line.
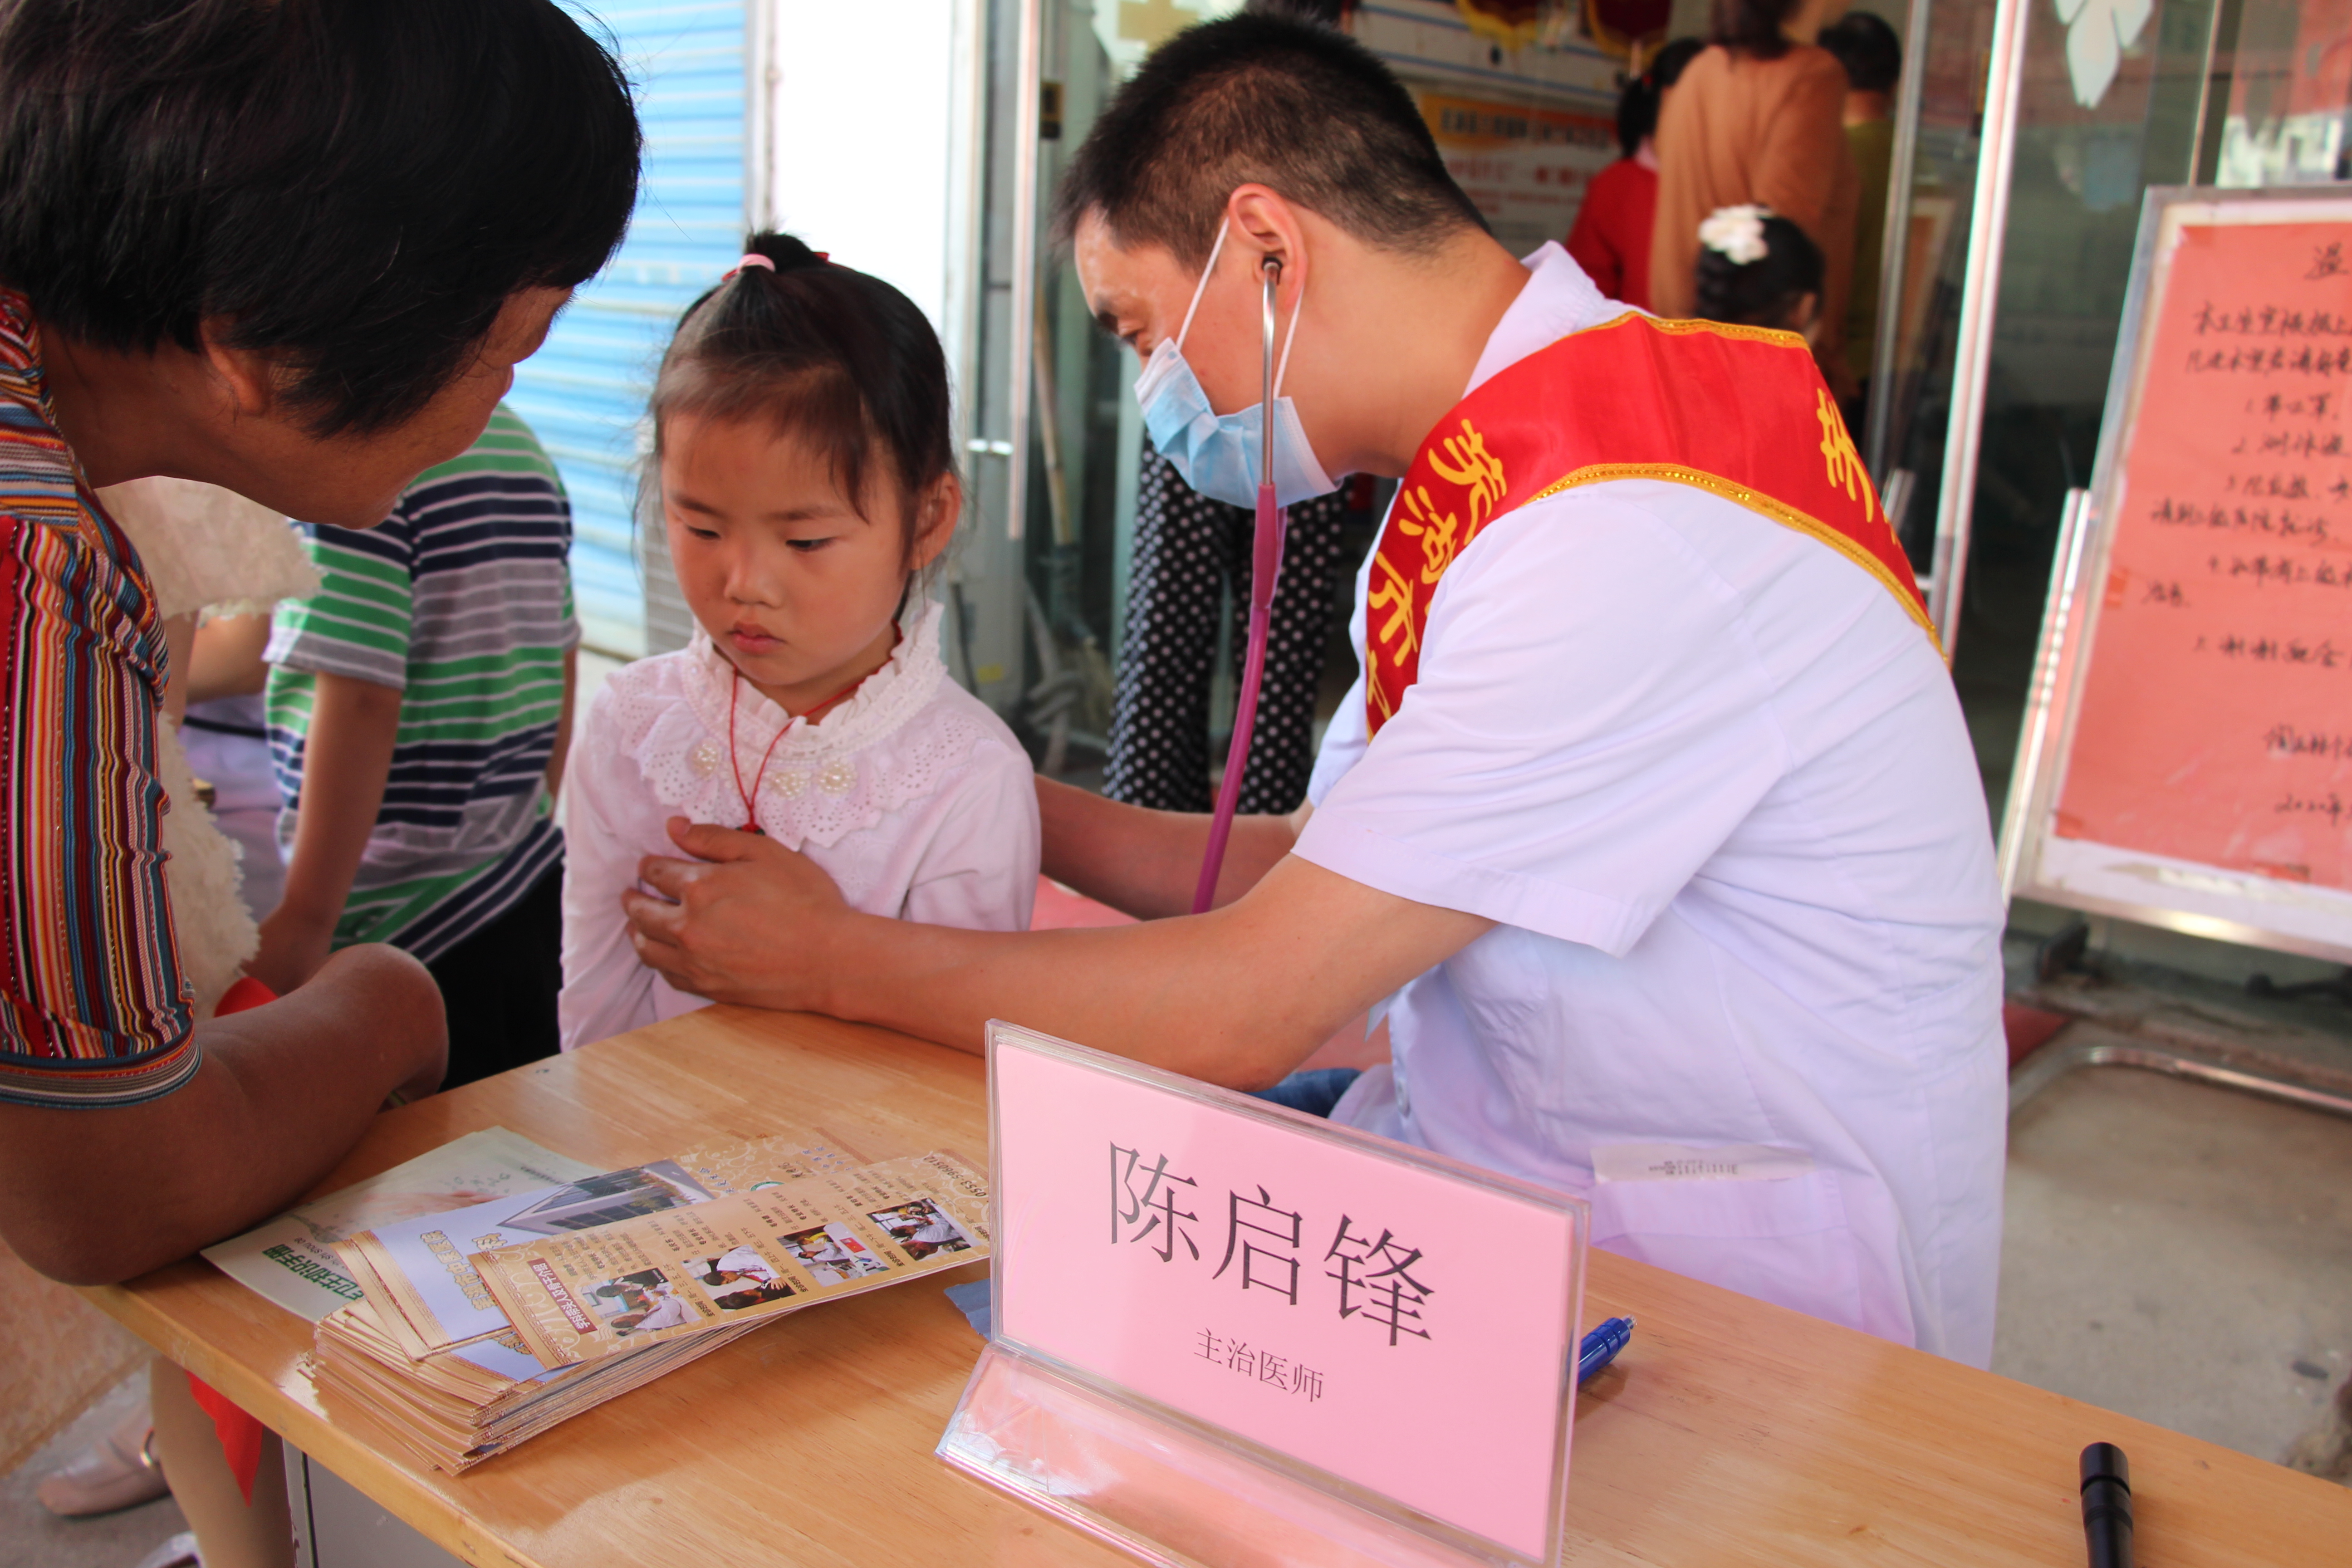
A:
[1284,1374]
[1373,1274]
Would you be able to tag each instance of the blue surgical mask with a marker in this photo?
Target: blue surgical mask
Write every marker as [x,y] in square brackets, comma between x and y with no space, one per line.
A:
[1217,454]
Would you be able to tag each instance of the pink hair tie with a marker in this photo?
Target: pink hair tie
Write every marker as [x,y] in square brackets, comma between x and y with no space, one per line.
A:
[749,261]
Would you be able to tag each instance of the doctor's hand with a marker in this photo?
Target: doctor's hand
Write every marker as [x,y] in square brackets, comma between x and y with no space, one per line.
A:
[743,921]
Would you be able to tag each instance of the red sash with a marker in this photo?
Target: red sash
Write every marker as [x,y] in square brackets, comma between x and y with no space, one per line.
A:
[1739,411]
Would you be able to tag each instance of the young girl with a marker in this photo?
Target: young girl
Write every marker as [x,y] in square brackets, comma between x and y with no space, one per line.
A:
[806,476]
[1756,268]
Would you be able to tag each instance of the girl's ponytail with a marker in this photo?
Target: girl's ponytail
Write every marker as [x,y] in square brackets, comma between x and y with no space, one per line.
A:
[784,252]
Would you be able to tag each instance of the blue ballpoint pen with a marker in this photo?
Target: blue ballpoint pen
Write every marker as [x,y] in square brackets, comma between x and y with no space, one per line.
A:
[1601,1347]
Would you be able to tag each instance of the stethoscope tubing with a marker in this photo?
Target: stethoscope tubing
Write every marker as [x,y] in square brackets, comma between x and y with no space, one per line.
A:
[1265,563]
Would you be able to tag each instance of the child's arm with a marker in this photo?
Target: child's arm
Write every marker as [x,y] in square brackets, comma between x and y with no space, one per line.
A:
[179,649]
[347,758]
[606,991]
[980,871]
[226,659]
[563,724]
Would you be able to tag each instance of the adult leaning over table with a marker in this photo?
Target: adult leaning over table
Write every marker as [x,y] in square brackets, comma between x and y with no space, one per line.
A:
[295,249]
[1651,824]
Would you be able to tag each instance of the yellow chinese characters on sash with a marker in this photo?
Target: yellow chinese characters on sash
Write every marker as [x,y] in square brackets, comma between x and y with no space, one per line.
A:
[1740,412]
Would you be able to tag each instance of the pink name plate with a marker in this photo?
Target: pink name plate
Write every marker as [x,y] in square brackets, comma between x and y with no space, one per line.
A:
[1354,1310]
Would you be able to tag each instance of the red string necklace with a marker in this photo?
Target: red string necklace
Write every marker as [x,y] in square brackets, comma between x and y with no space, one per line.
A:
[734,690]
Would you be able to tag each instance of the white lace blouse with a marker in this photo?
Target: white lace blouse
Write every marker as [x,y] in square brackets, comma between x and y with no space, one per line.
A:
[912,796]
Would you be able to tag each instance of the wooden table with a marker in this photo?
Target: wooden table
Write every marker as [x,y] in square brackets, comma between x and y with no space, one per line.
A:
[1730,1432]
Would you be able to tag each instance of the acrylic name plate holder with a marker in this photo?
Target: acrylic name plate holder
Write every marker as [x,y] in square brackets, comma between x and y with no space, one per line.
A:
[1227,1333]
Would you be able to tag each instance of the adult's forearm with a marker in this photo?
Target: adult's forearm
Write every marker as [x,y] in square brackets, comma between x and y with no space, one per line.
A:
[1148,863]
[97,1196]
[1238,998]
[1165,992]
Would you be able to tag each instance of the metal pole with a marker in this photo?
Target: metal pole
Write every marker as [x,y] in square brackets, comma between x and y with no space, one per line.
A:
[2074,533]
[1980,298]
[1895,246]
[2205,152]
[760,76]
[965,286]
[2312,1087]
[1024,258]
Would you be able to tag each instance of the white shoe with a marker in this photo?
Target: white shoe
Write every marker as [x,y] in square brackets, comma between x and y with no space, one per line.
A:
[117,1471]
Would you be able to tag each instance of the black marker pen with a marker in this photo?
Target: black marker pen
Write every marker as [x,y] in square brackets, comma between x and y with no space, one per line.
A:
[2107,1506]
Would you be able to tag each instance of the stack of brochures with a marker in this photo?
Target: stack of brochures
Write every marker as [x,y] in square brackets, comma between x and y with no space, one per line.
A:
[482,1326]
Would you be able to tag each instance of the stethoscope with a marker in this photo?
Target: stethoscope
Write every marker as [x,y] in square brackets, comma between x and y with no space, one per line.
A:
[1265,569]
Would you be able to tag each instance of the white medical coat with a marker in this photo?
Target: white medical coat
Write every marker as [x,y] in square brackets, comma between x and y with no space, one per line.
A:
[1713,781]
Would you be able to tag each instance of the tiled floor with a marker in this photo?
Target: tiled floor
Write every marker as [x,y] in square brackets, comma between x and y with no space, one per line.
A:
[2182,1254]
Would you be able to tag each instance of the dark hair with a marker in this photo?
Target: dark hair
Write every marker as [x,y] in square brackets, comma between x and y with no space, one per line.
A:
[1637,105]
[1288,104]
[353,187]
[1673,59]
[827,353]
[1868,48]
[1751,28]
[1762,292]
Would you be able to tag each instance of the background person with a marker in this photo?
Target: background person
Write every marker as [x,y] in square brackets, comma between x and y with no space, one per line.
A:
[1611,238]
[1756,268]
[201,547]
[1873,57]
[1192,558]
[382,212]
[1759,118]
[419,706]
[295,251]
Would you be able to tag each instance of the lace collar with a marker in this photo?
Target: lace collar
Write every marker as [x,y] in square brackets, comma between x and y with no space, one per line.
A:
[883,701]
[890,744]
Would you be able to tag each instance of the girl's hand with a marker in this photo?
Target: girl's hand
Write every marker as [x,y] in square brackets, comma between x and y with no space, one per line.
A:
[744,921]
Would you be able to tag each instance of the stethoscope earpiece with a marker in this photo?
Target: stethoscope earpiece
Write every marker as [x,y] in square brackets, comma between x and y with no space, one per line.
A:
[1270,270]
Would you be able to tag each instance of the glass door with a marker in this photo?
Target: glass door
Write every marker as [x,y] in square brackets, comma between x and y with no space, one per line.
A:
[1057,434]
[2041,124]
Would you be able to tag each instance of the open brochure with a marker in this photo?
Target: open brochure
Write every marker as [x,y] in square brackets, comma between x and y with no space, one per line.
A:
[416,1272]
[292,1259]
[757,1254]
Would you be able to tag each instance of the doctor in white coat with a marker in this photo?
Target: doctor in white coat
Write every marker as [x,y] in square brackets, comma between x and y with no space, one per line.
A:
[1671,874]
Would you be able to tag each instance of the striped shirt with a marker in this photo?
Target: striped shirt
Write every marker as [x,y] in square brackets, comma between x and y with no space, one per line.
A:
[462,602]
[97,1011]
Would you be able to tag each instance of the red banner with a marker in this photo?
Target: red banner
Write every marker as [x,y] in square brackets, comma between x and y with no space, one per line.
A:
[1740,412]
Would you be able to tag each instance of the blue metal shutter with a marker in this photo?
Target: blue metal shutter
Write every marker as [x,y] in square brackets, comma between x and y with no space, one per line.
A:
[585,392]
